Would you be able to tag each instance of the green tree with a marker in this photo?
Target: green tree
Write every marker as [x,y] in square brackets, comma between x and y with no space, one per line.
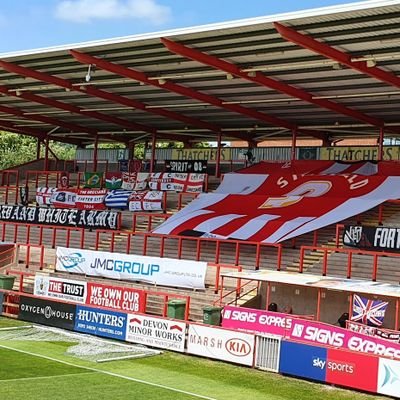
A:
[17,149]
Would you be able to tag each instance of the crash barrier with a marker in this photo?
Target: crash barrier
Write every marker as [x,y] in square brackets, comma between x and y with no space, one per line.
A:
[364,368]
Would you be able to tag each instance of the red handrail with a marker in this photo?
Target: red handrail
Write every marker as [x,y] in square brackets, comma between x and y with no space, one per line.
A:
[350,252]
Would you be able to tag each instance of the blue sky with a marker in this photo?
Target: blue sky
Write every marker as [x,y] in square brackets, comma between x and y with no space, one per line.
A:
[29,24]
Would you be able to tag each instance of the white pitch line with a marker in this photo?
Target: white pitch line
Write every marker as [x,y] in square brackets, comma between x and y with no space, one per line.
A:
[111,374]
[32,378]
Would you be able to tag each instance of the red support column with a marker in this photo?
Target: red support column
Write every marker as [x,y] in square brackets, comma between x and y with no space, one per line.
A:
[380,144]
[131,150]
[294,138]
[38,149]
[217,165]
[153,152]
[46,154]
[95,150]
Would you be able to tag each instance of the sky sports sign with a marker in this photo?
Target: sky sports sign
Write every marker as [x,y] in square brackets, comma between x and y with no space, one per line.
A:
[339,367]
[153,270]
[109,324]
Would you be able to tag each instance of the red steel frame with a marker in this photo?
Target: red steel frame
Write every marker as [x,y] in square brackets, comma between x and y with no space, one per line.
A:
[189,92]
[263,80]
[327,51]
[91,90]
[350,252]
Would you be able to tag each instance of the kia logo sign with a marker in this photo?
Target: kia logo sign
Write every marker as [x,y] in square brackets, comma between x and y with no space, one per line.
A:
[238,347]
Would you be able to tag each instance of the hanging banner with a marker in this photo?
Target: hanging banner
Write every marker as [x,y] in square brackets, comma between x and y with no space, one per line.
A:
[113,180]
[369,312]
[90,219]
[63,198]
[45,312]
[208,154]
[199,166]
[387,334]
[60,288]
[146,201]
[373,238]
[358,153]
[135,180]
[154,270]
[64,180]
[117,198]
[117,298]
[93,179]
[24,195]
[156,332]
[91,199]
[274,202]
[43,195]
[177,182]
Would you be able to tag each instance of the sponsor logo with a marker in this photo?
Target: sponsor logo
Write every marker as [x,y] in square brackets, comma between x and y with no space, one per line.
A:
[72,260]
[48,312]
[101,318]
[391,377]
[129,267]
[319,363]
[298,330]
[238,347]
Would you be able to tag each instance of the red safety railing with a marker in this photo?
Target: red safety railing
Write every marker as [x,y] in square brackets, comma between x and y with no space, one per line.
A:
[22,275]
[8,176]
[165,296]
[184,194]
[88,165]
[40,175]
[219,268]
[151,219]
[375,255]
[29,257]
[196,247]
[10,194]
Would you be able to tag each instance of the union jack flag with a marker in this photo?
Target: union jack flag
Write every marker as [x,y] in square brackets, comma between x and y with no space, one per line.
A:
[368,312]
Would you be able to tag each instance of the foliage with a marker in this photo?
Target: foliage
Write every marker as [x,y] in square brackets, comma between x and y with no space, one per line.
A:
[18,149]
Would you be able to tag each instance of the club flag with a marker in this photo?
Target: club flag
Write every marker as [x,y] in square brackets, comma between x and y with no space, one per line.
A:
[368,312]
[113,180]
[93,179]
[117,198]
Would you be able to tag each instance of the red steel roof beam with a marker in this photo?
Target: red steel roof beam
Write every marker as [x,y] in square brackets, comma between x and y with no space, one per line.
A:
[40,76]
[60,105]
[341,57]
[261,79]
[188,92]
[10,127]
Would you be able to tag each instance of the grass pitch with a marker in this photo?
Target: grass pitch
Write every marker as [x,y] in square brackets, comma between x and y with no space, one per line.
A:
[37,370]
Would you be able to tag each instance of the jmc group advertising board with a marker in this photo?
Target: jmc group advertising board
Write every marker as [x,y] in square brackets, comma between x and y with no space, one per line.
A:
[155,270]
[221,344]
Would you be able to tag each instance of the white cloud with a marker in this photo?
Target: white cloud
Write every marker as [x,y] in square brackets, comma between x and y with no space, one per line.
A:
[88,10]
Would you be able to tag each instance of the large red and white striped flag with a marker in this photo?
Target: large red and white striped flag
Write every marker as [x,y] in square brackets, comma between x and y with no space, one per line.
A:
[293,199]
